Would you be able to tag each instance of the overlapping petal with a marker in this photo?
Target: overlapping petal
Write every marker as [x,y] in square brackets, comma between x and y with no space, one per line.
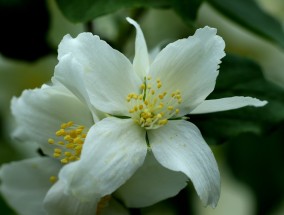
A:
[40,112]
[141,58]
[179,146]
[57,202]
[106,74]
[191,66]
[24,184]
[113,150]
[215,105]
[151,183]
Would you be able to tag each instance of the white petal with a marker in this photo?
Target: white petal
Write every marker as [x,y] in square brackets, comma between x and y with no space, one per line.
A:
[40,112]
[150,184]
[57,202]
[141,58]
[179,146]
[113,150]
[25,183]
[93,65]
[215,105]
[191,66]
[68,72]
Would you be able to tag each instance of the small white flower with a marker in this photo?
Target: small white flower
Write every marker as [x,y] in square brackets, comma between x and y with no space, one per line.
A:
[25,186]
[146,103]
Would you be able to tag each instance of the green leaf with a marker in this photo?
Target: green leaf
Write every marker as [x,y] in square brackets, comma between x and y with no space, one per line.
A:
[258,161]
[241,77]
[85,10]
[248,14]
[187,9]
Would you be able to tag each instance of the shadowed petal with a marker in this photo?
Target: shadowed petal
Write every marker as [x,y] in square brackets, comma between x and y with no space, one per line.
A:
[112,152]
[40,112]
[24,184]
[179,146]
[150,184]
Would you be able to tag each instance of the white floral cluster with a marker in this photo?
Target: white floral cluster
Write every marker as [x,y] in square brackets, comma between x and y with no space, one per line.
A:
[116,134]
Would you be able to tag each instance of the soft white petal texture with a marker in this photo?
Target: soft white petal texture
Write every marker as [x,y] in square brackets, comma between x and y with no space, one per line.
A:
[93,65]
[215,105]
[179,146]
[57,202]
[40,112]
[113,150]
[150,184]
[141,58]
[191,66]
[70,74]
[24,184]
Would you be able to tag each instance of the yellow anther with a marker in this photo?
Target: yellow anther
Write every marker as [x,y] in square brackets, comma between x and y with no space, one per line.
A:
[70,123]
[56,155]
[60,132]
[51,141]
[163,122]
[161,105]
[152,107]
[53,179]
[79,131]
[149,78]
[57,150]
[159,116]
[84,135]
[73,158]
[73,134]
[67,137]
[61,143]
[64,125]
[78,140]
[70,146]
[67,154]
[64,161]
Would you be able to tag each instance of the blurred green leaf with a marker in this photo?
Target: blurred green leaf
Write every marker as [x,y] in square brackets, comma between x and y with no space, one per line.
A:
[242,77]
[85,10]
[258,161]
[248,14]
[187,9]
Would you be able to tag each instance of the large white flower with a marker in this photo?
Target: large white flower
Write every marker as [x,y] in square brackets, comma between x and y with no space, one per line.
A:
[146,103]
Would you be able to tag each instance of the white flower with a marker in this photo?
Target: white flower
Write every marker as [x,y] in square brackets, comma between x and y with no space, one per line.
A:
[146,103]
[25,185]
[57,117]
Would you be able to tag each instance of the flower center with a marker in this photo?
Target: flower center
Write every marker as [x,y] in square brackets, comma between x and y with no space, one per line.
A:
[69,147]
[153,106]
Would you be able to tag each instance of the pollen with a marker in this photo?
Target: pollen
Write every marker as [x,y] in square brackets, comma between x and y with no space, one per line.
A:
[153,106]
[52,179]
[70,138]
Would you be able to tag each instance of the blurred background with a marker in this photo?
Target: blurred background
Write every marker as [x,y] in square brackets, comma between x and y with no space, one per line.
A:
[248,143]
